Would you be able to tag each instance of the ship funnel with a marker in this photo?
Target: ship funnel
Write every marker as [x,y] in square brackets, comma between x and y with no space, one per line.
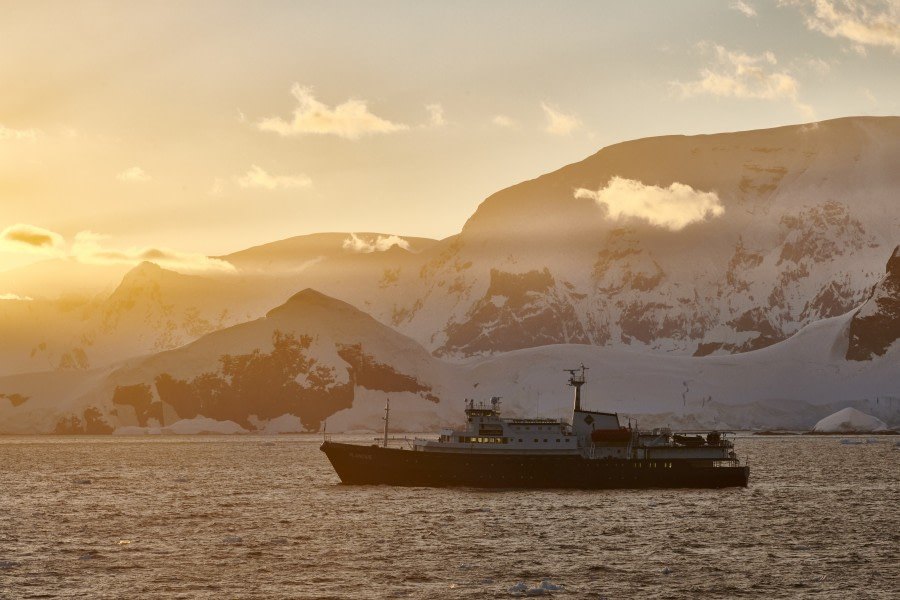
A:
[576,380]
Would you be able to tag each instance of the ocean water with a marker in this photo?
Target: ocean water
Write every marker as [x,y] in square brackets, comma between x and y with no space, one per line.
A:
[265,517]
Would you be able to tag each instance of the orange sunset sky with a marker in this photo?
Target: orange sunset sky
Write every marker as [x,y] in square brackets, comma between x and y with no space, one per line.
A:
[203,127]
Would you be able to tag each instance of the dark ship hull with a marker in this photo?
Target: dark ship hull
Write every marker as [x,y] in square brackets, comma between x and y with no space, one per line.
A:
[374,465]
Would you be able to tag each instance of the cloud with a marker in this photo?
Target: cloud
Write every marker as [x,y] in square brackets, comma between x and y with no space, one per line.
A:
[739,75]
[435,115]
[22,237]
[349,120]
[559,123]
[673,208]
[744,7]
[356,244]
[88,249]
[7,133]
[817,66]
[134,175]
[256,177]
[14,297]
[504,121]
[862,22]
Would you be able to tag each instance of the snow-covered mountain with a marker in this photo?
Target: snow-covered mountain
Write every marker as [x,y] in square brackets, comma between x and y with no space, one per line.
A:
[786,227]
[665,258]
[798,218]
[152,309]
[89,324]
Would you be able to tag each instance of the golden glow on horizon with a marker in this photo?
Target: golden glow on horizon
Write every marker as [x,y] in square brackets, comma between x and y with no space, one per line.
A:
[202,129]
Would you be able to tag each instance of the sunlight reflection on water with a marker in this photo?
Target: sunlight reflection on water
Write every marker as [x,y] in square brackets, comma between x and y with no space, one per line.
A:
[265,517]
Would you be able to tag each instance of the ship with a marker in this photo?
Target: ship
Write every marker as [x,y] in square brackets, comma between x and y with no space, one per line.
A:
[592,451]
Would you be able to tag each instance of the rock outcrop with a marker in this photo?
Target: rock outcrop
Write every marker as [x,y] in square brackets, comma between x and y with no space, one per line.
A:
[876,325]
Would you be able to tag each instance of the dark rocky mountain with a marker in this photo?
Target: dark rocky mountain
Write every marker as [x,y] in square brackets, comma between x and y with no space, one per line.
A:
[876,325]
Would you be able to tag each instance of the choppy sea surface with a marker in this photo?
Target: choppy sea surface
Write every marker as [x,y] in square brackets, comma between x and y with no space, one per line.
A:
[266,517]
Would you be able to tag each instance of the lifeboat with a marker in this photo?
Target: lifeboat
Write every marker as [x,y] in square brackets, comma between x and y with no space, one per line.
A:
[620,435]
[689,440]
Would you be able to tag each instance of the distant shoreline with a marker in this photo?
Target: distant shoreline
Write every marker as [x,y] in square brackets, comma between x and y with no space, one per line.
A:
[782,432]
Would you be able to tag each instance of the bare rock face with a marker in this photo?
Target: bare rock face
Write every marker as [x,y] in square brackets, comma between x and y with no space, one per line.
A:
[518,311]
[876,325]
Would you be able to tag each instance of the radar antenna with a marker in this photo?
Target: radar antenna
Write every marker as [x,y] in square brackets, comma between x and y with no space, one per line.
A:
[576,380]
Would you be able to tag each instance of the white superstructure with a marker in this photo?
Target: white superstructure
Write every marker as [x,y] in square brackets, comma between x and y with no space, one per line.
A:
[591,434]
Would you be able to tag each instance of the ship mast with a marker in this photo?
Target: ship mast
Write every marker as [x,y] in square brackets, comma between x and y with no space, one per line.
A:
[387,414]
[576,380]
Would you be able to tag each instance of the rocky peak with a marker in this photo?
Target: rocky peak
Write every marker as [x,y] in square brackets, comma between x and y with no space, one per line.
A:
[311,300]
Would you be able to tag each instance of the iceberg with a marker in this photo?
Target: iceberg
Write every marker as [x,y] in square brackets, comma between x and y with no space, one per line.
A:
[849,420]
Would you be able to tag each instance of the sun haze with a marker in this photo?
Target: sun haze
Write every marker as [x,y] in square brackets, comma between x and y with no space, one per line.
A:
[134,130]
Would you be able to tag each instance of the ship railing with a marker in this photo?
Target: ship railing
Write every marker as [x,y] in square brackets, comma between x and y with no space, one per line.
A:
[395,441]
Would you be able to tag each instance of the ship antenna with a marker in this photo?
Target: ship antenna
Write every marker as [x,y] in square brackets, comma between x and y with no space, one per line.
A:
[387,414]
[576,380]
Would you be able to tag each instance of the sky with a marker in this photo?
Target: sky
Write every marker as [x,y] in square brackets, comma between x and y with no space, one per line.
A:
[187,129]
